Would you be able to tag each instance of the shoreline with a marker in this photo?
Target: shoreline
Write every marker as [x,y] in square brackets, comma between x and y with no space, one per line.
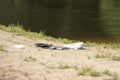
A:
[18,29]
[59,39]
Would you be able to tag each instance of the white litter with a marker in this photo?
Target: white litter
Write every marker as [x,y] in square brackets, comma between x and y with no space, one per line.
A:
[19,46]
[74,45]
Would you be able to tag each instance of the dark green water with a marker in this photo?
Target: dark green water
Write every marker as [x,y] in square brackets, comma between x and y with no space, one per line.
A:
[85,20]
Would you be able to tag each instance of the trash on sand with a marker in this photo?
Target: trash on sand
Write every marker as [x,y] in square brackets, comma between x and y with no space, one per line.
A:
[19,46]
[74,45]
[50,46]
[43,45]
[58,48]
[66,46]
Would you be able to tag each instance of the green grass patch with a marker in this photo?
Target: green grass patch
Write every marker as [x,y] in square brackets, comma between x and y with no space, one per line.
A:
[107,72]
[30,58]
[61,66]
[84,71]
[95,73]
[104,45]
[116,58]
[19,29]
[42,63]
[90,44]
[108,56]
[64,66]
[2,48]
[111,45]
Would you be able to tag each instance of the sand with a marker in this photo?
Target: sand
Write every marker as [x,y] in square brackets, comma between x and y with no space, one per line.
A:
[35,63]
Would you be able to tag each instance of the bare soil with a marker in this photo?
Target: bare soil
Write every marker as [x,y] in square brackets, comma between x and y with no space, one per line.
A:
[34,63]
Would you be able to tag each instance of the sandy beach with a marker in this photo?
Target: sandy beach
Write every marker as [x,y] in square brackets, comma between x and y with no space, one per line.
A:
[35,63]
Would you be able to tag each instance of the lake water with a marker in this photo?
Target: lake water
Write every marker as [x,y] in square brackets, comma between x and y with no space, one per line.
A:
[86,20]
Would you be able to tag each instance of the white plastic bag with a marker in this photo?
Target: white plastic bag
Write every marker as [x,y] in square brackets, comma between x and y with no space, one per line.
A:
[74,45]
[19,46]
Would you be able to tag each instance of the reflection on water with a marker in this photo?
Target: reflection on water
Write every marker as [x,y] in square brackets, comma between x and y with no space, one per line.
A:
[74,19]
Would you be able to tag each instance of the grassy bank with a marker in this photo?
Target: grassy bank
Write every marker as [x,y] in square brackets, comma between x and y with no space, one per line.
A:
[1,47]
[20,31]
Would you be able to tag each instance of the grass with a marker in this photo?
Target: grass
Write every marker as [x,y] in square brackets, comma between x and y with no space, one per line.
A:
[108,56]
[107,72]
[84,71]
[2,48]
[115,46]
[42,63]
[104,45]
[95,74]
[19,29]
[62,66]
[103,55]
[116,58]
[88,71]
[30,58]
[90,44]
